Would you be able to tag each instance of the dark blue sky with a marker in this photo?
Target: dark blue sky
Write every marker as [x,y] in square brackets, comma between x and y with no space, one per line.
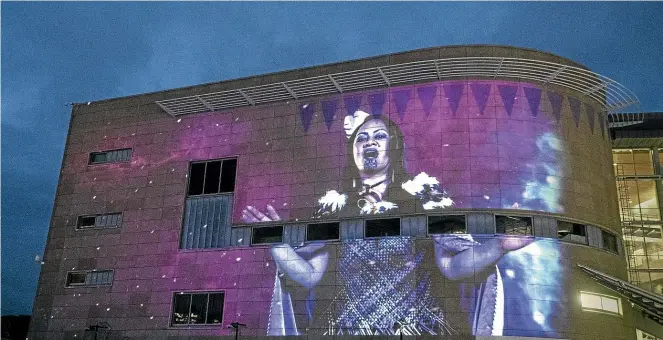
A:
[56,53]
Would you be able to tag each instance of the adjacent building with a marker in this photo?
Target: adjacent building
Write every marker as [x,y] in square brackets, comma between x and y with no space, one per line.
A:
[461,192]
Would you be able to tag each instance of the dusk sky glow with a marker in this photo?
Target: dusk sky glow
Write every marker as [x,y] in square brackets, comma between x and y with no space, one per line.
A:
[62,52]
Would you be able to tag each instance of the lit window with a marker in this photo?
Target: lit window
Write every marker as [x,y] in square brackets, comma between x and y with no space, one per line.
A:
[90,278]
[110,156]
[383,227]
[322,231]
[446,224]
[197,308]
[513,225]
[264,235]
[594,302]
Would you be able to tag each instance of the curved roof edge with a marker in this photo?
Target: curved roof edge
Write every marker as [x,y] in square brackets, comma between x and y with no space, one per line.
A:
[403,68]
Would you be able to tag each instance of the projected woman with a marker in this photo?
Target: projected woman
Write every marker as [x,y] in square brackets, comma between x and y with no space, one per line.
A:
[383,289]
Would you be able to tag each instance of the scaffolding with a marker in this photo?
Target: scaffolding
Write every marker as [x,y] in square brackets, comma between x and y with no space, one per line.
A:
[628,227]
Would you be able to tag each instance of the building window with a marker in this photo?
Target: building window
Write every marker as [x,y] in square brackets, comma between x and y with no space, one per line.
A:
[383,227]
[632,162]
[638,200]
[263,235]
[513,225]
[572,232]
[593,302]
[90,278]
[322,231]
[197,308]
[110,156]
[208,215]
[446,224]
[609,241]
[212,177]
[113,220]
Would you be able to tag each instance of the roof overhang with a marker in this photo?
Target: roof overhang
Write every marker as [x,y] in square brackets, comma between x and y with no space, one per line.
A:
[609,94]
[650,303]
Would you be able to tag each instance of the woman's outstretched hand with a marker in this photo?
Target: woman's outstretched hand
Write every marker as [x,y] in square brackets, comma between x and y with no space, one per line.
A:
[251,215]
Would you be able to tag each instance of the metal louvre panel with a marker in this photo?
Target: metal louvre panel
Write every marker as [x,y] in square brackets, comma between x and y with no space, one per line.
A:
[207,222]
[609,94]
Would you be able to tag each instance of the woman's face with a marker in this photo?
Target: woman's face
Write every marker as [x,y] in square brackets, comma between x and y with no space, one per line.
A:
[370,148]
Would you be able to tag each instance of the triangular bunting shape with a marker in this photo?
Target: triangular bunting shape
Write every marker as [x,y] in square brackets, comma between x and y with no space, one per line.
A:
[401,98]
[508,94]
[306,114]
[590,116]
[574,103]
[453,92]
[481,93]
[426,97]
[328,111]
[533,96]
[556,104]
[352,104]
[602,123]
[376,101]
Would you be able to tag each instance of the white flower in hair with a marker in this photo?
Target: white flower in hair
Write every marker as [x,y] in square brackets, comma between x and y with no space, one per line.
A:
[351,123]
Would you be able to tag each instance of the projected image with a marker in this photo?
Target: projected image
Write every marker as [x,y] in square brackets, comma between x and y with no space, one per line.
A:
[375,170]
[439,146]
[458,284]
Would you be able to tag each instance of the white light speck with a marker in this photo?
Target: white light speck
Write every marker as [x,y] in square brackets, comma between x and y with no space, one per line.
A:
[305,106]
[152,232]
[133,134]
[136,190]
[175,280]
[108,309]
[98,248]
[141,305]
[238,259]
[486,197]
[94,197]
[179,120]
[510,273]
[151,317]
[240,240]
[371,262]
[163,276]
[137,286]
[150,182]
[236,119]
[217,124]
[445,144]
[539,317]
[97,304]
[267,264]
[235,284]
[205,226]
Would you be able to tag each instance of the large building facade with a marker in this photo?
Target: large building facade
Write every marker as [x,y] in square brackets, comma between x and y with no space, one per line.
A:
[465,192]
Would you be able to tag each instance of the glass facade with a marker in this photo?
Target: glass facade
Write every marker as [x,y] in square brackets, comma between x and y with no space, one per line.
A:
[638,183]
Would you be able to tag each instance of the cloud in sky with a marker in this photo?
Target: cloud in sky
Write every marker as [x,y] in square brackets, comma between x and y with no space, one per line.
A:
[59,52]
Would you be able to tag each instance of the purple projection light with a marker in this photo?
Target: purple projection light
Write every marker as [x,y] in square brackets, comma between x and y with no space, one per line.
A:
[352,104]
[454,93]
[533,96]
[426,97]
[590,116]
[574,103]
[508,94]
[481,93]
[328,112]
[556,104]
[306,114]
[401,98]
[376,100]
